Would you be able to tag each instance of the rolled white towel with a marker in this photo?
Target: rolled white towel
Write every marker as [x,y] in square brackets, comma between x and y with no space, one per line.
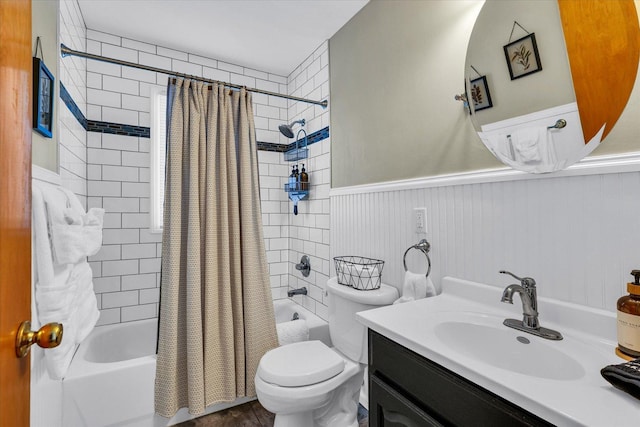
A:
[293,331]
[416,286]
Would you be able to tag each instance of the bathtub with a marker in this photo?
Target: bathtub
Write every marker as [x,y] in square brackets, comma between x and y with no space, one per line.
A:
[111,379]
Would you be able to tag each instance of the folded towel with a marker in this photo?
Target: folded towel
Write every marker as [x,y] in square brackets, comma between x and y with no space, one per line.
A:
[74,234]
[527,142]
[416,286]
[625,376]
[293,331]
[63,290]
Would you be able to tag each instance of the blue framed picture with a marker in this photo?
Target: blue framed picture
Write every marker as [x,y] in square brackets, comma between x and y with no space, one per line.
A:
[43,85]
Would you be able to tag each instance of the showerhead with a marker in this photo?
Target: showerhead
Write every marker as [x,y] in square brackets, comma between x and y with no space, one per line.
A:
[287,130]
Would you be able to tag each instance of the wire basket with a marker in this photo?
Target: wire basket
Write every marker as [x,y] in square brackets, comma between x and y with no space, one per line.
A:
[296,154]
[359,272]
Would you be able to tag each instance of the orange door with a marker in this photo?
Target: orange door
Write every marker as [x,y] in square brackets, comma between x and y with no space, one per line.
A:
[15,205]
[613,55]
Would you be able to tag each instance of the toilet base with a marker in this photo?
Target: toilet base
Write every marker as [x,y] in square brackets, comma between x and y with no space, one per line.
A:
[304,419]
[299,419]
[342,409]
[337,408]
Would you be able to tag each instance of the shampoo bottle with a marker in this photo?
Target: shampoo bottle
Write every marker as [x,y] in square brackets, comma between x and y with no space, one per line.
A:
[292,179]
[304,179]
[629,319]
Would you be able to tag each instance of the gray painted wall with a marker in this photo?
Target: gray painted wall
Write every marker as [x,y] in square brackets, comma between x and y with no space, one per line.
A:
[395,68]
[44,23]
[548,88]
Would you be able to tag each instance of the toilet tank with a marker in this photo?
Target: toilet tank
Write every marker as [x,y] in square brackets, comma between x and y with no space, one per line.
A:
[347,334]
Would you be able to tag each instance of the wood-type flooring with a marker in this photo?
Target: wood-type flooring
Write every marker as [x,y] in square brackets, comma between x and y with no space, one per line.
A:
[250,414]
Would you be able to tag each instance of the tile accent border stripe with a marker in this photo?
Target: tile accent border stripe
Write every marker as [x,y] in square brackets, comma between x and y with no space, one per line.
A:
[270,146]
[145,132]
[118,129]
[72,106]
[312,138]
[99,126]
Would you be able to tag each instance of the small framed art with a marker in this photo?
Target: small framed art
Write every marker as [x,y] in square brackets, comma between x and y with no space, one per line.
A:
[43,85]
[522,57]
[480,94]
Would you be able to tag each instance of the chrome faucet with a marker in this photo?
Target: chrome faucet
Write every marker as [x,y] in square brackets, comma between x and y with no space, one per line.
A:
[299,291]
[529,297]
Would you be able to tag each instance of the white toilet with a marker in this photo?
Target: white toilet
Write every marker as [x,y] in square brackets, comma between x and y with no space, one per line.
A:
[308,384]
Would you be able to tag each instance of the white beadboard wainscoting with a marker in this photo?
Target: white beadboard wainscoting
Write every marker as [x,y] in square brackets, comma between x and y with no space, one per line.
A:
[576,233]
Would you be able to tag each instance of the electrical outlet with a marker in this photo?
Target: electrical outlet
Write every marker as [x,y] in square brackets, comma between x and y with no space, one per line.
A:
[420,220]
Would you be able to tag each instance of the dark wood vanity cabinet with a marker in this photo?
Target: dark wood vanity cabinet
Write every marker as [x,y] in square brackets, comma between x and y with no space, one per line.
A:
[407,390]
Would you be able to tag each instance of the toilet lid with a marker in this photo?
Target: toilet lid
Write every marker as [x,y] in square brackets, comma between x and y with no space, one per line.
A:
[299,364]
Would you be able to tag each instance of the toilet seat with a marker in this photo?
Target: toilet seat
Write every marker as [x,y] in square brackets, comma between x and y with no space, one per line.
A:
[300,364]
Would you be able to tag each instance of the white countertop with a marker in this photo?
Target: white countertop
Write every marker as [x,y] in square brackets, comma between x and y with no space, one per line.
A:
[586,399]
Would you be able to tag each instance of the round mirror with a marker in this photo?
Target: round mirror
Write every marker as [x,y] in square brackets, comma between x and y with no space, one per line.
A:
[547,80]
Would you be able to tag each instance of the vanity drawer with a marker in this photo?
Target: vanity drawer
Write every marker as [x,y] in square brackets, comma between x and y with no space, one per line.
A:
[391,409]
[443,395]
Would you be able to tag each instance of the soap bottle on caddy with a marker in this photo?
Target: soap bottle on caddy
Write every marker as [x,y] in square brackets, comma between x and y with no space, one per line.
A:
[292,179]
[629,320]
[294,186]
[304,179]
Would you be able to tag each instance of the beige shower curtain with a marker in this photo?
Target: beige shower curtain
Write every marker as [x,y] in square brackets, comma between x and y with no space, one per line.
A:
[216,314]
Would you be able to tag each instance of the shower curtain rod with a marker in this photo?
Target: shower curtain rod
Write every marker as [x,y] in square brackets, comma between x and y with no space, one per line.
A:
[65,51]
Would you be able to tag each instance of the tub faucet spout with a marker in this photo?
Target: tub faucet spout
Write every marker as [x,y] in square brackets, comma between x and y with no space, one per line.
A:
[299,291]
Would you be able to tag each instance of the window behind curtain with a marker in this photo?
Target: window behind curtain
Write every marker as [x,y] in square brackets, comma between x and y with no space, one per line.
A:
[158,101]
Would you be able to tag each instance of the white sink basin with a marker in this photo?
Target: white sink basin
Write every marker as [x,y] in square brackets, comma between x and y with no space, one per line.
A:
[486,339]
[462,331]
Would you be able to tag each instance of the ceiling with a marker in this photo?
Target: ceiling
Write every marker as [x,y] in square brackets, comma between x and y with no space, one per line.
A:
[268,35]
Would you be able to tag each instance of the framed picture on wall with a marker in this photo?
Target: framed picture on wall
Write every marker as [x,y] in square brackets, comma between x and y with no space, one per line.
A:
[43,84]
[480,94]
[522,57]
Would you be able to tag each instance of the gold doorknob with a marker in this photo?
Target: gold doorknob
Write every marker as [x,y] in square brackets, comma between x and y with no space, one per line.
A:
[48,336]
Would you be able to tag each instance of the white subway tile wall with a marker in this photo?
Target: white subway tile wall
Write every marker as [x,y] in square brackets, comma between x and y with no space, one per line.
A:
[71,134]
[309,230]
[127,268]
[274,219]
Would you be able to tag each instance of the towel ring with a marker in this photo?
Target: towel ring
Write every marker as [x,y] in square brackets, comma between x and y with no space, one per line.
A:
[424,247]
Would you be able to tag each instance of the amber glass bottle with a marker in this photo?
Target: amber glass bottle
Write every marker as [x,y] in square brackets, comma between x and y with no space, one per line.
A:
[304,179]
[629,318]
